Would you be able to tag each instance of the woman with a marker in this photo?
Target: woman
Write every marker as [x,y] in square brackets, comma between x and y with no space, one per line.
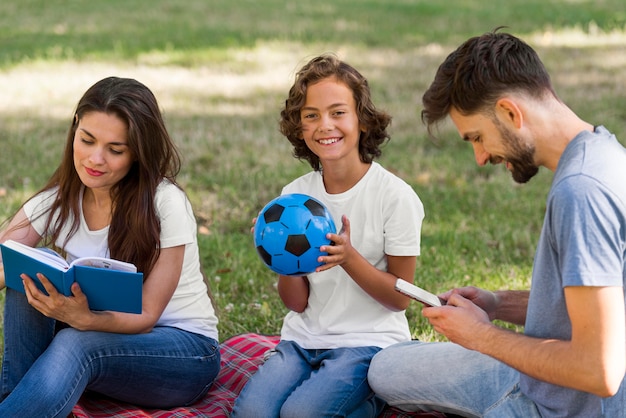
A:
[113,195]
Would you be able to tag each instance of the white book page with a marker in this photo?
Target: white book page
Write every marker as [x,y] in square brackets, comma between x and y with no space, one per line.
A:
[45,255]
[105,263]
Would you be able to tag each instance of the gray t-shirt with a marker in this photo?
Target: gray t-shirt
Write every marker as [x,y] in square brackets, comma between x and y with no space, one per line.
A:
[583,243]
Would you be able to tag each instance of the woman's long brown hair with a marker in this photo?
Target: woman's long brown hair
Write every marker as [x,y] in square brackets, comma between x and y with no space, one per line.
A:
[134,231]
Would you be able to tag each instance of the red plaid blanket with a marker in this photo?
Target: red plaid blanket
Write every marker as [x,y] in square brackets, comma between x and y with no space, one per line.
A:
[241,356]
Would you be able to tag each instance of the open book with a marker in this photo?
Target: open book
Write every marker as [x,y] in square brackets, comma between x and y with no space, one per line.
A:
[110,285]
[417,293]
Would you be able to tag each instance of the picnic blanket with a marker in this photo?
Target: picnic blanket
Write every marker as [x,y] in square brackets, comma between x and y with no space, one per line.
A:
[241,355]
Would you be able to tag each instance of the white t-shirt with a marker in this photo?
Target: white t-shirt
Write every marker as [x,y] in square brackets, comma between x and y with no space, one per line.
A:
[190,308]
[385,217]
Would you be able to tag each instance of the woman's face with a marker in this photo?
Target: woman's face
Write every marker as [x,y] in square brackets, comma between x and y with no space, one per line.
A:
[101,153]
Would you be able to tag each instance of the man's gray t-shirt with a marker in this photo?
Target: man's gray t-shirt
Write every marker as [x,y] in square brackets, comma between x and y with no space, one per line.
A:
[583,243]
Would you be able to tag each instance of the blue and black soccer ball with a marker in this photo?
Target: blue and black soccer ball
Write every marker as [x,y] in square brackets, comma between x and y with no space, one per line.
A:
[289,232]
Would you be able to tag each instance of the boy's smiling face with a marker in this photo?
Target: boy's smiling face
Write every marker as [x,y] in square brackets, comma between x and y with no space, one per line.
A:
[330,124]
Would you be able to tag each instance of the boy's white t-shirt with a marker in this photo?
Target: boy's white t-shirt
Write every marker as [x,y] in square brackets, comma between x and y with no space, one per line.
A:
[190,307]
[385,217]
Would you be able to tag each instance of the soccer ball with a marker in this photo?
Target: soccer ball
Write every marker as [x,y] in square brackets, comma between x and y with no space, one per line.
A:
[289,232]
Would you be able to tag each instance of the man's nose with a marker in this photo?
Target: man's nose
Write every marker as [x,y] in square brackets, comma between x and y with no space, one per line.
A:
[482,156]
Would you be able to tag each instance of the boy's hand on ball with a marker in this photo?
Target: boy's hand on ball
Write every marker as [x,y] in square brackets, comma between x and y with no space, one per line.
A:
[289,232]
[340,250]
[253,224]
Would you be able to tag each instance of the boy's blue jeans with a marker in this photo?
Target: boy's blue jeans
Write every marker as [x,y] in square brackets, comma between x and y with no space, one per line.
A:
[300,383]
[44,373]
[446,377]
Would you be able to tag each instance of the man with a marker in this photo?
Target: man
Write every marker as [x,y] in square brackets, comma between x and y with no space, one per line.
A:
[571,359]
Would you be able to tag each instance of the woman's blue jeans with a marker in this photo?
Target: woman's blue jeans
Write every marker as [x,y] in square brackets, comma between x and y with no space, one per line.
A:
[299,383]
[446,377]
[44,373]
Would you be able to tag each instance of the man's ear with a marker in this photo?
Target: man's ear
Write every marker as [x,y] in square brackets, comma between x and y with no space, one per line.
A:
[508,110]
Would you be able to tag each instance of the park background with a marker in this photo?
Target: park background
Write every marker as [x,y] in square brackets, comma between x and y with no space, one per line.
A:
[221,70]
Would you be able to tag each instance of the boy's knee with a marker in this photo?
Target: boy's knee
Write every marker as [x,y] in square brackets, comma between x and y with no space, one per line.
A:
[297,410]
[252,404]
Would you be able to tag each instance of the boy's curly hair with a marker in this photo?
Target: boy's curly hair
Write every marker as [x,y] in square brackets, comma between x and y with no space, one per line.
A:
[372,121]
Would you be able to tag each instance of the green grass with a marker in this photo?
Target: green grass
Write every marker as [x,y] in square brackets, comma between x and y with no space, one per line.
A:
[221,70]
[193,32]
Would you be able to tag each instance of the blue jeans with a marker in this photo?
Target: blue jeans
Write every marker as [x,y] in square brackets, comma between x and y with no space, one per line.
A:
[446,377]
[300,383]
[44,372]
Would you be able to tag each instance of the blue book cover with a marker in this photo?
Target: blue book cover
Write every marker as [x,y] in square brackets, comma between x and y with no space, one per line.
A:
[110,285]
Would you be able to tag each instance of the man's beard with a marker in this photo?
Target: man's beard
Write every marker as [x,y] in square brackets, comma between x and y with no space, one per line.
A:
[520,157]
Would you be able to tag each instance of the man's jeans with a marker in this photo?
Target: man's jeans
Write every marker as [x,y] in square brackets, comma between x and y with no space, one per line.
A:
[446,377]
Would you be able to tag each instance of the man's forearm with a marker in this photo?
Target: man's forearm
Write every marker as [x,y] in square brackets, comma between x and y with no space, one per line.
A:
[512,306]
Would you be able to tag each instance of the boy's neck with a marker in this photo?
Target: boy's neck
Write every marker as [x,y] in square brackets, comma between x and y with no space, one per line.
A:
[339,179]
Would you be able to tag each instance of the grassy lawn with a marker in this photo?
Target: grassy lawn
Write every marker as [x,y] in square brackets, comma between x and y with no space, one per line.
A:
[221,70]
